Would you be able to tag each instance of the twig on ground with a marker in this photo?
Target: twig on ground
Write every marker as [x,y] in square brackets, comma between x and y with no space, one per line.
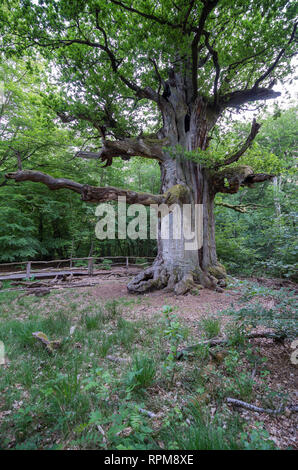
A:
[257,409]
[116,359]
[280,337]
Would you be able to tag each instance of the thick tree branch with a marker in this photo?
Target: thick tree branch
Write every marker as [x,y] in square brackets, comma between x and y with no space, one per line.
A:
[242,208]
[146,92]
[238,98]
[101,123]
[230,180]
[39,177]
[18,156]
[143,146]
[237,63]
[88,193]
[149,16]
[255,127]
[191,5]
[257,178]
[214,54]
[161,81]
[208,7]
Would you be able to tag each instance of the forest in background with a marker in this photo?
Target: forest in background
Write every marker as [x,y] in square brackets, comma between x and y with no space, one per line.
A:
[255,230]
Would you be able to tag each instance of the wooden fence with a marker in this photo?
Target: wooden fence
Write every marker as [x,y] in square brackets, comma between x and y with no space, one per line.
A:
[27,267]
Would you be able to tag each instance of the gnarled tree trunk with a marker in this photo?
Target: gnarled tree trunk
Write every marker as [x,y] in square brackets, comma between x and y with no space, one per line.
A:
[186,127]
[177,267]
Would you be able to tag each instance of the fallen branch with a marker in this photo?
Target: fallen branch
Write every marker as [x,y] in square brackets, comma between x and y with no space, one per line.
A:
[100,429]
[257,409]
[49,345]
[39,292]
[116,359]
[31,285]
[279,337]
[148,413]
[254,371]
[58,286]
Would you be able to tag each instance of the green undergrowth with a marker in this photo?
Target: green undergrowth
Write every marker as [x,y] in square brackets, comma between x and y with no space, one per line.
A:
[263,306]
[115,383]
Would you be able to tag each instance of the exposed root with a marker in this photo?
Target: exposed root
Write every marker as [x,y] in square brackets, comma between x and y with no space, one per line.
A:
[219,273]
[160,276]
[185,285]
[142,282]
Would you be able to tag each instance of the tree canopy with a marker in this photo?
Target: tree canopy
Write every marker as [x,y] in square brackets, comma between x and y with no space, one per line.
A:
[111,58]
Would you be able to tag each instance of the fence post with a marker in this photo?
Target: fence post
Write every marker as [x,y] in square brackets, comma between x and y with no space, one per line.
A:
[127,262]
[90,267]
[28,269]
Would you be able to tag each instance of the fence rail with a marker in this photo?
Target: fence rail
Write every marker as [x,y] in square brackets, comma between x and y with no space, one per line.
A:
[27,267]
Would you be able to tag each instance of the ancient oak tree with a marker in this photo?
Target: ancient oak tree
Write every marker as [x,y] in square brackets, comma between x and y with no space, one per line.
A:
[182,63]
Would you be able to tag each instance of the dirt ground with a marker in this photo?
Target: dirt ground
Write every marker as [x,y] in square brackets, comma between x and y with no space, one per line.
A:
[192,308]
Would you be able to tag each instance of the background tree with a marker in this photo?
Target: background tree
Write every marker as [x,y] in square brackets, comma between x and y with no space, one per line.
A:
[262,239]
[42,224]
[121,64]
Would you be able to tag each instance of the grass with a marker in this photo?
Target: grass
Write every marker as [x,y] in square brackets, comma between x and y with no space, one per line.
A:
[210,326]
[59,400]
[141,373]
[92,321]
[204,434]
